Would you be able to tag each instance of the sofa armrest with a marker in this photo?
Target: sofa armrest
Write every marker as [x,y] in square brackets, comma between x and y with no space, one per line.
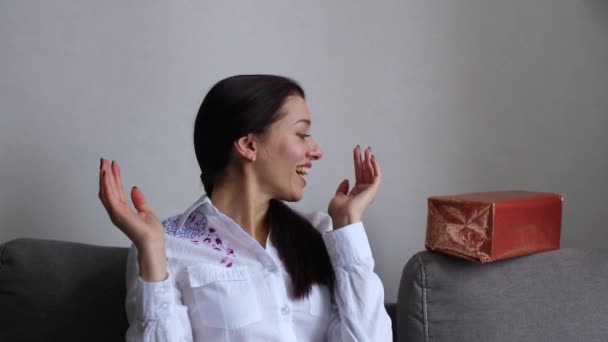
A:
[552,296]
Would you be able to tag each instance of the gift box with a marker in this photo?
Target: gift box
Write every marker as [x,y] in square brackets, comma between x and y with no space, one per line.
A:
[490,226]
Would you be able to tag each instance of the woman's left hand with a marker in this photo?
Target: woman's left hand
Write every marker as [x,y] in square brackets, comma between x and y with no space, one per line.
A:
[348,207]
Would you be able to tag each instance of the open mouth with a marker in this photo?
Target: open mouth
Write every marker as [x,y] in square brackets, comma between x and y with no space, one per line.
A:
[302,170]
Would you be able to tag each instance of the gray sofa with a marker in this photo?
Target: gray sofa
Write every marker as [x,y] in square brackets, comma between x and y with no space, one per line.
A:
[65,291]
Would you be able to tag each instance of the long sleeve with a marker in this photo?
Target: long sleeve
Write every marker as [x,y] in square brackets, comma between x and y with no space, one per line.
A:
[358,313]
[154,309]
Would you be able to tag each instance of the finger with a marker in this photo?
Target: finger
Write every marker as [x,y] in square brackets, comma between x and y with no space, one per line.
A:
[358,165]
[102,194]
[368,172]
[116,173]
[377,171]
[109,185]
[342,188]
[139,202]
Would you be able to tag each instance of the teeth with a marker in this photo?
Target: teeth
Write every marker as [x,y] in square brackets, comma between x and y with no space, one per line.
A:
[301,170]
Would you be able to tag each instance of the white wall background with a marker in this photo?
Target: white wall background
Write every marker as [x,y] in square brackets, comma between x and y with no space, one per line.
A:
[453,96]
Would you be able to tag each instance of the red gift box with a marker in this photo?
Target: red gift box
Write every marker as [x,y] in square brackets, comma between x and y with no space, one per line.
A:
[489,226]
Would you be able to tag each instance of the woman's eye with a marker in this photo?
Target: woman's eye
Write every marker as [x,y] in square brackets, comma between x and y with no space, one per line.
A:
[303,136]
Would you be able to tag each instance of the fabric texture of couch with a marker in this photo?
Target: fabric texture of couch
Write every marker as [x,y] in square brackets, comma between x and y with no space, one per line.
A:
[66,291]
[554,296]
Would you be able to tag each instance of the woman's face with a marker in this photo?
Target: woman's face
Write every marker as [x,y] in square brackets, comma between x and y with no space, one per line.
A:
[286,152]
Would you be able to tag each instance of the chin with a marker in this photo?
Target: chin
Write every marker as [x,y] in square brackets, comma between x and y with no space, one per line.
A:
[293,197]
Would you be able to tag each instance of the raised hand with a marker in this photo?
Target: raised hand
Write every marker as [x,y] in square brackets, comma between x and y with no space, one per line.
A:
[141,226]
[348,207]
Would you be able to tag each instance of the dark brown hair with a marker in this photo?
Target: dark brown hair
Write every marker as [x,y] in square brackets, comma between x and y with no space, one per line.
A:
[235,107]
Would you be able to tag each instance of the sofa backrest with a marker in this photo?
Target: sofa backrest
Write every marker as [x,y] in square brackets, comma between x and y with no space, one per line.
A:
[61,291]
[65,291]
[560,295]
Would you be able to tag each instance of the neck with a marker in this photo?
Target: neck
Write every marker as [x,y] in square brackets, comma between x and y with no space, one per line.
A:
[238,198]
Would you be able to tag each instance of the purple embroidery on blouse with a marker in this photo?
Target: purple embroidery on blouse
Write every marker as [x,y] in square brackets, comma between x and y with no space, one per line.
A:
[196,229]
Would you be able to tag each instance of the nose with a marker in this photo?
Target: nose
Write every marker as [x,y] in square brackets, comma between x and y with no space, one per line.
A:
[315,152]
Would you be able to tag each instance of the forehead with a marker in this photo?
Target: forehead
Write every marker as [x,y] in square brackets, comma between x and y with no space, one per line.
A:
[295,111]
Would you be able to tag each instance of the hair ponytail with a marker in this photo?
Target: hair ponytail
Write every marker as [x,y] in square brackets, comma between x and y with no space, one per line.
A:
[300,247]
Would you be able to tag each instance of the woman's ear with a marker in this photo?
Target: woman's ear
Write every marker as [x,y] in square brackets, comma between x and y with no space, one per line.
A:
[246,147]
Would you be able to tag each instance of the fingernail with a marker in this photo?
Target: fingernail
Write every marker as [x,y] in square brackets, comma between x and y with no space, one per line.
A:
[359,147]
[112,163]
[373,157]
[134,188]
[100,163]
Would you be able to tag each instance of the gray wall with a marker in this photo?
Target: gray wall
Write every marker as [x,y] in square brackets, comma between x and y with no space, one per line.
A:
[453,96]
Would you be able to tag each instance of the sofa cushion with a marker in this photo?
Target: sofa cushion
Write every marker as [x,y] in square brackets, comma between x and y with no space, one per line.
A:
[61,291]
[553,296]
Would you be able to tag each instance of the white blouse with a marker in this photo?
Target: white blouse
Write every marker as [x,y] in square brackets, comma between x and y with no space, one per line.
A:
[224,286]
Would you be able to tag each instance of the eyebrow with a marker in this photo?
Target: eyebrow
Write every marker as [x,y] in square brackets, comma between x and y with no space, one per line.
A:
[306,121]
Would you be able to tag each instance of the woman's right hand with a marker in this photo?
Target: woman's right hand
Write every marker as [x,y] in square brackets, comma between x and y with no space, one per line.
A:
[141,226]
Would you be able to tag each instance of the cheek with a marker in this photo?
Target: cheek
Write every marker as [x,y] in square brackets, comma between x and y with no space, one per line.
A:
[292,153]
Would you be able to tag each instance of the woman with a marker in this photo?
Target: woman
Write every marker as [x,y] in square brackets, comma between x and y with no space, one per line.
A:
[239,264]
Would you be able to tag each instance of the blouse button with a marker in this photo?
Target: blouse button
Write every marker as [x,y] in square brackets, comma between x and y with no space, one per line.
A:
[285,310]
